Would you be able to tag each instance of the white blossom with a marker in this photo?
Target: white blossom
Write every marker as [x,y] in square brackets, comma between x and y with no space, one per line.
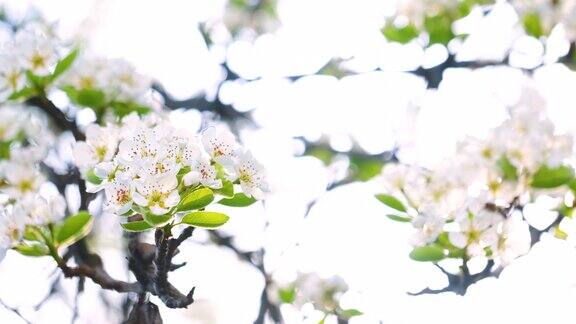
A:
[158,194]
[251,176]
[203,172]
[220,145]
[11,230]
[100,146]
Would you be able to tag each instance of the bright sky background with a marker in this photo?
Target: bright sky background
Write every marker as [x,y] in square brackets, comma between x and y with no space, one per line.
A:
[346,233]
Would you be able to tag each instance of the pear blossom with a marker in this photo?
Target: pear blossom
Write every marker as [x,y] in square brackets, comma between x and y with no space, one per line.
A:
[21,179]
[158,194]
[220,145]
[12,76]
[429,226]
[39,210]
[323,293]
[119,196]
[511,239]
[11,230]
[474,230]
[127,84]
[36,51]
[251,175]
[203,172]
[100,146]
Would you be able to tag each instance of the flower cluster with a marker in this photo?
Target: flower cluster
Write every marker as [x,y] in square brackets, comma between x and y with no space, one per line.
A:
[107,85]
[27,200]
[540,17]
[32,53]
[467,205]
[147,167]
[537,17]
[323,294]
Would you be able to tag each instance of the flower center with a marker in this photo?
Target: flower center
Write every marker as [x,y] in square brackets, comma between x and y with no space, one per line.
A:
[38,61]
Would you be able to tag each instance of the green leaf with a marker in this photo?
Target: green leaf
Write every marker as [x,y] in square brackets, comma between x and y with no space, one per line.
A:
[5,150]
[196,199]
[205,219]
[560,234]
[391,202]
[32,234]
[439,28]
[25,92]
[157,220]
[400,35]
[137,226]
[74,228]
[453,251]
[364,168]
[321,154]
[533,24]
[509,171]
[122,109]
[65,63]
[429,253]
[239,200]
[36,81]
[397,218]
[546,177]
[287,295]
[227,189]
[90,98]
[93,178]
[348,313]
[34,249]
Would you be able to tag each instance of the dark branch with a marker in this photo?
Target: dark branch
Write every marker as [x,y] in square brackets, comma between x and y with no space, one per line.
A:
[99,276]
[151,264]
[57,115]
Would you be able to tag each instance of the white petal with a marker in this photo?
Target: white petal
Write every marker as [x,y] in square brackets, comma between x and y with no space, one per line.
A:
[458,239]
[139,199]
[125,208]
[157,210]
[191,178]
[173,199]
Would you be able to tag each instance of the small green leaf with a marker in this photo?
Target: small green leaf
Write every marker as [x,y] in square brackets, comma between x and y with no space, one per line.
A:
[90,98]
[74,228]
[196,199]
[400,35]
[122,109]
[364,169]
[391,202]
[205,219]
[227,189]
[427,253]
[439,28]
[349,313]
[25,92]
[31,234]
[560,234]
[287,295]
[397,218]
[137,226]
[547,178]
[509,171]
[65,63]
[34,249]
[93,178]
[5,150]
[157,220]
[239,200]
[533,24]
[453,251]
